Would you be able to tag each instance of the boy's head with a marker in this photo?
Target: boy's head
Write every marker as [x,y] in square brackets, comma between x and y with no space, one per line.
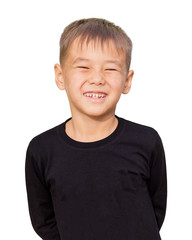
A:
[95,57]
[97,30]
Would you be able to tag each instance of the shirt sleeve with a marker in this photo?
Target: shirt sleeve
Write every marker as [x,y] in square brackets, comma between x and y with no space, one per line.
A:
[39,201]
[157,183]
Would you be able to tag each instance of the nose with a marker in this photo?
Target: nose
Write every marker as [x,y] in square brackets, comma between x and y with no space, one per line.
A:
[97,78]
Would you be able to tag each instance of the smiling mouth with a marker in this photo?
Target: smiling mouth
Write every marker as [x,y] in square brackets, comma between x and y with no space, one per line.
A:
[95,95]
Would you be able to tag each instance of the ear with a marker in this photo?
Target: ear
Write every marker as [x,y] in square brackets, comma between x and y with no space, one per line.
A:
[128,81]
[59,79]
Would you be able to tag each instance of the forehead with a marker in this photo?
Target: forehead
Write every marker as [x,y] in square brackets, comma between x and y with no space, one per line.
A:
[96,47]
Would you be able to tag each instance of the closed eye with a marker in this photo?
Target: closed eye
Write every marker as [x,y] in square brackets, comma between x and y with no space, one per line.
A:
[83,67]
[110,69]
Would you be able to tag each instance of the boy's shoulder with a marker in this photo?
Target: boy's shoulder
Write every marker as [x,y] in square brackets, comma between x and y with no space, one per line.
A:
[45,139]
[140,131]
[139,127]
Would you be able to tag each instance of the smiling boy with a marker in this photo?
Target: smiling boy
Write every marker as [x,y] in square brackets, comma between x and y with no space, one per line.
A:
[96,176]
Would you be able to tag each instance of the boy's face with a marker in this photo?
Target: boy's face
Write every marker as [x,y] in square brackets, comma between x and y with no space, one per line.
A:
[92,68]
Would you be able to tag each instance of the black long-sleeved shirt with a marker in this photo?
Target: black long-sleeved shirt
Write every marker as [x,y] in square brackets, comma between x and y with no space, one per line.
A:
[111,189]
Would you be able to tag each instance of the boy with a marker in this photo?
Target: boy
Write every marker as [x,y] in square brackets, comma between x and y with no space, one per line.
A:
[96,176]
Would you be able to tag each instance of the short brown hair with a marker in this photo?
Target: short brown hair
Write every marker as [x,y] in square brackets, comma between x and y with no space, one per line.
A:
[95,29]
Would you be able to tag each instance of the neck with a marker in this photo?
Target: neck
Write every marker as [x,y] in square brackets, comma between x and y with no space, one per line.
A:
[89,129]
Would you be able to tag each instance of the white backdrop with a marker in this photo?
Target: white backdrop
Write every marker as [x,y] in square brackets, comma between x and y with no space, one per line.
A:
[31,103]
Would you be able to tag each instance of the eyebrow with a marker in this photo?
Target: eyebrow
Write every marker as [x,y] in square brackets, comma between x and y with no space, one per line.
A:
[116,62]
[80,59]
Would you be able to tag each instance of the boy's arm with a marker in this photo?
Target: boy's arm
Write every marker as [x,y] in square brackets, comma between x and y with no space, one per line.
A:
[157,183]
[39,201]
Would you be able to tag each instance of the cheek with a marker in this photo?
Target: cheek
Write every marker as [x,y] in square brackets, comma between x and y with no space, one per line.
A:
[117,86]
[75,82]
[116,82]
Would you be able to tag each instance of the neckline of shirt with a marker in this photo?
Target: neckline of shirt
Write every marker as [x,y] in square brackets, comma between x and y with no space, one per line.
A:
[94,144]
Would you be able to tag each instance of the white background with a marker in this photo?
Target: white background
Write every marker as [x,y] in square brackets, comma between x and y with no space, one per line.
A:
[31,103]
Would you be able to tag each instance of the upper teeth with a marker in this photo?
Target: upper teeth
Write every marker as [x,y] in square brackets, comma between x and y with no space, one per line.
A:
[94,95]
